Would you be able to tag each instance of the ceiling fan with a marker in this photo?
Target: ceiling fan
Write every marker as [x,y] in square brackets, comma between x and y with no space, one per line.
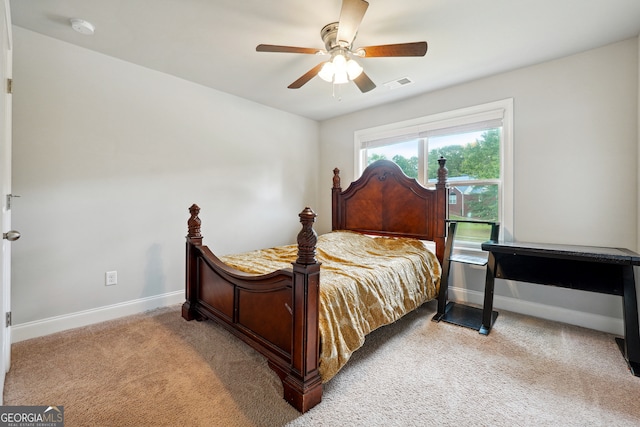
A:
[338,40]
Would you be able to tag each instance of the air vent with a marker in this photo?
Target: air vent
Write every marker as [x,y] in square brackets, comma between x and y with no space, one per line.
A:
[398,83]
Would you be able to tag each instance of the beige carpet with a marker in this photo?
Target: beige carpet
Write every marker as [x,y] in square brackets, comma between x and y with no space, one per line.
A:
[156,369]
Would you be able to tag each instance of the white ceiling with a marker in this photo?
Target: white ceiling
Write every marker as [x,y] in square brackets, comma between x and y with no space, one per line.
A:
[212,42]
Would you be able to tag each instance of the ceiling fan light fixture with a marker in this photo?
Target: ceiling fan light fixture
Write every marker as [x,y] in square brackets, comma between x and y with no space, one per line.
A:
[353,69]
[340,70]
[340,63]
[327,71]
[341,77]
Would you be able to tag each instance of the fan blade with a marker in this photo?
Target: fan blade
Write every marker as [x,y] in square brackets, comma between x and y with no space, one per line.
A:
[401,49]
[350,18]
[306,77]
[364,83]
[286,49]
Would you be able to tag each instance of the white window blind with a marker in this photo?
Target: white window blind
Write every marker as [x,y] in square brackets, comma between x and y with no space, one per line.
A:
[438,127]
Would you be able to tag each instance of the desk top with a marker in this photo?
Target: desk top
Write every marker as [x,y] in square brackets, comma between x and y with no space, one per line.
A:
[549,250]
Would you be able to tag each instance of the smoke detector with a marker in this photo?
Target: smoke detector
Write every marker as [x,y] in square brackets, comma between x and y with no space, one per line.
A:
[82,26]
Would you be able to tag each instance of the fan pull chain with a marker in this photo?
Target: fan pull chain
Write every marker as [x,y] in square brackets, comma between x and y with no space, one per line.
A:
[338,96]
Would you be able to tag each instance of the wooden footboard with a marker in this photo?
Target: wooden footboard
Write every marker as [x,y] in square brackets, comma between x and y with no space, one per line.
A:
[275,313]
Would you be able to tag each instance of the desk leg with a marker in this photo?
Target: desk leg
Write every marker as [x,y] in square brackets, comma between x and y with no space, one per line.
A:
[443,295]
[630,346]
[487,308]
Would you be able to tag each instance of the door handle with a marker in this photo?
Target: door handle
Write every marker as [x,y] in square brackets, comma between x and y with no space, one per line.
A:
[11,236]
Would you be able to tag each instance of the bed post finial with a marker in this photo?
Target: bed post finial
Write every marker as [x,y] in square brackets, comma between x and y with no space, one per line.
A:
[307,238]
[301,383]
[442,209]
[335,200]
[194,222]
[194,239]
[442,172]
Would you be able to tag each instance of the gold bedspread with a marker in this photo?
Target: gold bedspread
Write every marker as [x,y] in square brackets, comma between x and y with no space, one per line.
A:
[365,283]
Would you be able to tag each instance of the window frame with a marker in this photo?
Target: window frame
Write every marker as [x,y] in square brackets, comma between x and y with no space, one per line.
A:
[458,119]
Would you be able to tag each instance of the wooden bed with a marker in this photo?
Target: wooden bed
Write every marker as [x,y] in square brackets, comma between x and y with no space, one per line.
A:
[277,313]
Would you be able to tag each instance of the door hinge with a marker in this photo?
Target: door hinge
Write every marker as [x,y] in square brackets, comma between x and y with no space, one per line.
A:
[9,197]
[9,85]
[8,319]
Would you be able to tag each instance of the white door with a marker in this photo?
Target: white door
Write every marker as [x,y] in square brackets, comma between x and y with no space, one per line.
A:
[5,187]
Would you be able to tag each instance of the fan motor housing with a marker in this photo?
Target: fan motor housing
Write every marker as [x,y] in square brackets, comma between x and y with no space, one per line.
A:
[329,34]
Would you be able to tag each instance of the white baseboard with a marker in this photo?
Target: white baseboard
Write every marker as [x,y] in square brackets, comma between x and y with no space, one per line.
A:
[39,328]
[611,325]
[24,331]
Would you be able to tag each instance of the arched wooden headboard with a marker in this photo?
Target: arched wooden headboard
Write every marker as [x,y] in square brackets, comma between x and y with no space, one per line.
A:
[384,201]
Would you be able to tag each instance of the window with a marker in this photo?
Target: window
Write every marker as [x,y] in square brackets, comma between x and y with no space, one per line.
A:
[477,143]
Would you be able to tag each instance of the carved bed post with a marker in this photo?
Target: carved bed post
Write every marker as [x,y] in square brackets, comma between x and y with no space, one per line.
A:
[194,238]
[303,385]
[442,208]
[335,200]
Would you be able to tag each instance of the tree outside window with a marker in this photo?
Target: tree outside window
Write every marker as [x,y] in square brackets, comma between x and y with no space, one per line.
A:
[474,173]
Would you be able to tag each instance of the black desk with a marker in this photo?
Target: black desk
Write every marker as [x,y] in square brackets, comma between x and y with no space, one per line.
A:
[595,269]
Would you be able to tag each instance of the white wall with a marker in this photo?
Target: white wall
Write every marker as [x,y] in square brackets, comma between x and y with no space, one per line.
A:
[576,166]
[107,158]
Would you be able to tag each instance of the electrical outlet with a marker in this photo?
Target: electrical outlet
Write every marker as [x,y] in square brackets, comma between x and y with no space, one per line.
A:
[111,278]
